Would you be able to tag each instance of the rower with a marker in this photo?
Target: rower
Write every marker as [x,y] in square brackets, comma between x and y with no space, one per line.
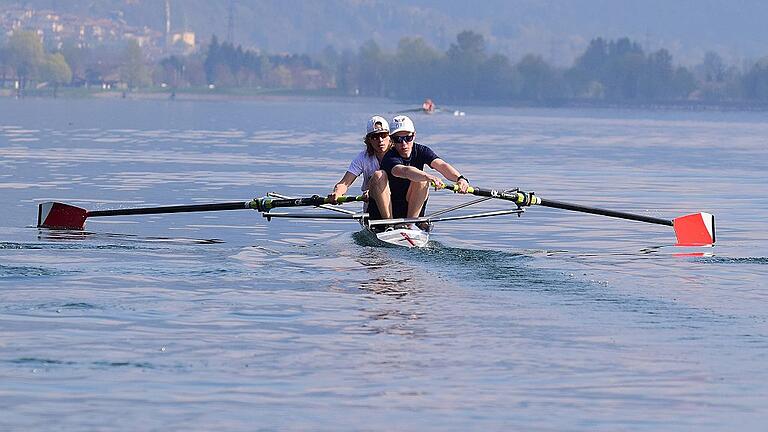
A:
[366,163]
[428,106]
[408,185]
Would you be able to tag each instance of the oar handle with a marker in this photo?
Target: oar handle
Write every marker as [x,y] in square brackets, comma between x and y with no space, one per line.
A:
[518,197]
[529,198]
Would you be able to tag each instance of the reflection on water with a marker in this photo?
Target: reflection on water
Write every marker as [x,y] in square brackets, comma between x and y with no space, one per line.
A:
[552,321]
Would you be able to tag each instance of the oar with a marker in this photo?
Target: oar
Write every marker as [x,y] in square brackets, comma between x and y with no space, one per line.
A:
[57,215]
[697,229]
[411,110]
[449,111]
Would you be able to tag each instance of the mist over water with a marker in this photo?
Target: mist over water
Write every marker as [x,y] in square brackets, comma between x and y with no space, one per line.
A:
[551,321]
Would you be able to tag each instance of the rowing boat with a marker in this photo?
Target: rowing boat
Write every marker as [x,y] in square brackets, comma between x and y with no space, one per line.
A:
[697,229]
[406,232]
[396,232]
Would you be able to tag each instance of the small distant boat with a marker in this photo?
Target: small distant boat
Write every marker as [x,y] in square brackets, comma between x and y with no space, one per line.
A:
[429,107]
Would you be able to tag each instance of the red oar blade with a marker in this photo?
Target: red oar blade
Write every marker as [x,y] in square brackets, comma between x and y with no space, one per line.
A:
[696,229]
[55,215]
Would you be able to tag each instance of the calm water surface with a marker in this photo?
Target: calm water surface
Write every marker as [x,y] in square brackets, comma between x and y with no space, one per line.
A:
[553,321]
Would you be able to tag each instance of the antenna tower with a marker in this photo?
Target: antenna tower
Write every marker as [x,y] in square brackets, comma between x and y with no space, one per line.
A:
[167,17]
[231,22]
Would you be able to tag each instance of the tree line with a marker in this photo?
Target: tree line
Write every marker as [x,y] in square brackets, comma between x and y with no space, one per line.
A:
[24,59]
[612,71]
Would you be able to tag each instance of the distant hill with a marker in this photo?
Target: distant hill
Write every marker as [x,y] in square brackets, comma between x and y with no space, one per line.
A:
[556,29]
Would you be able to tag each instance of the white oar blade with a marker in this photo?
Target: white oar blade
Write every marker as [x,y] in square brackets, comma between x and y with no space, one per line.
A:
[697,229]
[55,215]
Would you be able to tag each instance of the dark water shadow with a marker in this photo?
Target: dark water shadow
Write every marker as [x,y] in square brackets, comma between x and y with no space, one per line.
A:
[75,235]
[26,272]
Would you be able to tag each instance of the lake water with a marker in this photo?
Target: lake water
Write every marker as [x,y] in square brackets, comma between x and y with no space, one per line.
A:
[554,321]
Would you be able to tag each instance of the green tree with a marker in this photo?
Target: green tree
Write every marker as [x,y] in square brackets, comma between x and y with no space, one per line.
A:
[539,79]
[594,59]
[414,69]
[623,69]
[171,71]
[499,80]
[717,80]
[469,46]
[77,58]
[755,81]
[657,78]
[347,73]
[134,71]
[4,66]
[212,59]
[714,67]
[25,55]
[373,65]
[589,71]
[683,83]
[610,69]
[464,60]
[56,71]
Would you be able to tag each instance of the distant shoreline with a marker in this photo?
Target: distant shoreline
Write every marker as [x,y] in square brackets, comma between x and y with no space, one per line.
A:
[165,94]
[222,95]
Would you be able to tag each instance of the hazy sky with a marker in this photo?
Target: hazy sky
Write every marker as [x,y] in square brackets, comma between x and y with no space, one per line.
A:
[555,29]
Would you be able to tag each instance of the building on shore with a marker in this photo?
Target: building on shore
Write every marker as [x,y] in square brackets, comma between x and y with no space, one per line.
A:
[56,28]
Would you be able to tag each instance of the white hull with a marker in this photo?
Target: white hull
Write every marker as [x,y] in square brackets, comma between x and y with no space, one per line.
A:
[403,237]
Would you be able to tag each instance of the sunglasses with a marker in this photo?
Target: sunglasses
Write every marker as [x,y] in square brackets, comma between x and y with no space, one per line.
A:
[401,139]
[380,135]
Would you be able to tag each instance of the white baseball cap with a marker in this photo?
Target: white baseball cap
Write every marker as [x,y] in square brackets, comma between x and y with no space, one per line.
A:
[402,123]
[377,124]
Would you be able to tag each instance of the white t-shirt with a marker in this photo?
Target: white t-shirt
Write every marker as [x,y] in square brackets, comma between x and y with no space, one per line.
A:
[366,165]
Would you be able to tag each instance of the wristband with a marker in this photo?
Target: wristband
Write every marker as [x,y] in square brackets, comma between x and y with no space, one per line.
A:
[462,177]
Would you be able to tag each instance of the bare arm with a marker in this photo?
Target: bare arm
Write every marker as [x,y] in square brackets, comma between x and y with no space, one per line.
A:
[441,166]
[342,186]
[413,174]
[449,172]
[446,169]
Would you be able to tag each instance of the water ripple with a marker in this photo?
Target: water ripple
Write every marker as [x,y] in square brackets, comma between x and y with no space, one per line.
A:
[21,272]
[735,260]
[36,362]
[554,321]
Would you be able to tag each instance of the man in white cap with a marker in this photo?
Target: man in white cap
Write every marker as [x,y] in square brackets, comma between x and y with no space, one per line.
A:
[408,185]
[366,163]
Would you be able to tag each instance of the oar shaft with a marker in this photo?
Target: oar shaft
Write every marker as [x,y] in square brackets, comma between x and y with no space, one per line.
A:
[603,212]
[527,198]
[260,204]
[240,205]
